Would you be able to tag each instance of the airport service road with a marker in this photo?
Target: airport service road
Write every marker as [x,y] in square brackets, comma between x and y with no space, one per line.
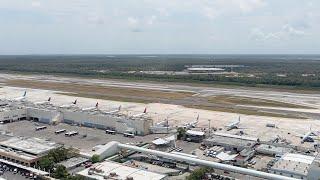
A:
[94,136]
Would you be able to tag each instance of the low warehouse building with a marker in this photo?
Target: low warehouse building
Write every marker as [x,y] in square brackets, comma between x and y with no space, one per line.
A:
[113,170]
[273,150]
[293,165]
[26,151]
[73,162]
[231,142]
[194,136]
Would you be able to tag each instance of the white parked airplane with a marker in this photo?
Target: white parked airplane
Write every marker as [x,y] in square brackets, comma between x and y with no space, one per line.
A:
[69,105]
[140,114]
[234,125]
[308,136]
[21,98]
[192,124]
[114,111]
[91,108]
[44,102]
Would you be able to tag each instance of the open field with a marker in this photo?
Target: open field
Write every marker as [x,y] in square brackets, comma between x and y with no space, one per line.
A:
[247,111]
[236,100]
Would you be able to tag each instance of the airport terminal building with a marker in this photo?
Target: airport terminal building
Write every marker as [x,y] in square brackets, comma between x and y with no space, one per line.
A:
[97,119]
[47,113]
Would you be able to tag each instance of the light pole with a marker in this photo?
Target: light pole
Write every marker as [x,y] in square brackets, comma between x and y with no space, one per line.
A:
[209,127]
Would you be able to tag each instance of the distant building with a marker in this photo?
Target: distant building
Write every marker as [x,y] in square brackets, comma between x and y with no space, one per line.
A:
[204,70]
[308,75]
[281,75]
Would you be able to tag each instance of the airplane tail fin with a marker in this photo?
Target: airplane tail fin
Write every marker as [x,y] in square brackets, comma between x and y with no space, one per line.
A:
[145,110]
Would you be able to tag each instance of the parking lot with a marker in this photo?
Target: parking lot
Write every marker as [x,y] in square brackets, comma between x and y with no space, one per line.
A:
[11,176]
[13,173]
[86,139]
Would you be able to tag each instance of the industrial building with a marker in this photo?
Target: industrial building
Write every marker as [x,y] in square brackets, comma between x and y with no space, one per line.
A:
[243,157]
[194,136]
[117,171]
[230,141]
[293,165]
[25,151]
[272,149]
[207,70]
[73,162]
[211,69]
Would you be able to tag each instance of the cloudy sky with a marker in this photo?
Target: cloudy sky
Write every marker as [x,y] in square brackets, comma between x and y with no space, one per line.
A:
[159,26]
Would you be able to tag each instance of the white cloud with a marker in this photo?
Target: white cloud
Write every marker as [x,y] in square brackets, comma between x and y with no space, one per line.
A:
[221,8]
[95,18]
[210,13]
[163,12]
[35,4]
[292,31]
[285,32]
[249,5]
[132,21]
[173,24]
[259,34]
[151,20]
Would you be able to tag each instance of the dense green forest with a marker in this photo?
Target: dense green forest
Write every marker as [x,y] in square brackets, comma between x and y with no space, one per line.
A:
[265,68]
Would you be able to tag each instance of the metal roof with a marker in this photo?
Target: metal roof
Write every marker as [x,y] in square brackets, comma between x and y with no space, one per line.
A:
[205,69]
[195,133]
[236,136]
[160,141]
[120,171]
[298,158]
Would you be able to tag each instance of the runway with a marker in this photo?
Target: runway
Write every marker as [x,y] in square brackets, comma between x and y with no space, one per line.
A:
[200,93]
